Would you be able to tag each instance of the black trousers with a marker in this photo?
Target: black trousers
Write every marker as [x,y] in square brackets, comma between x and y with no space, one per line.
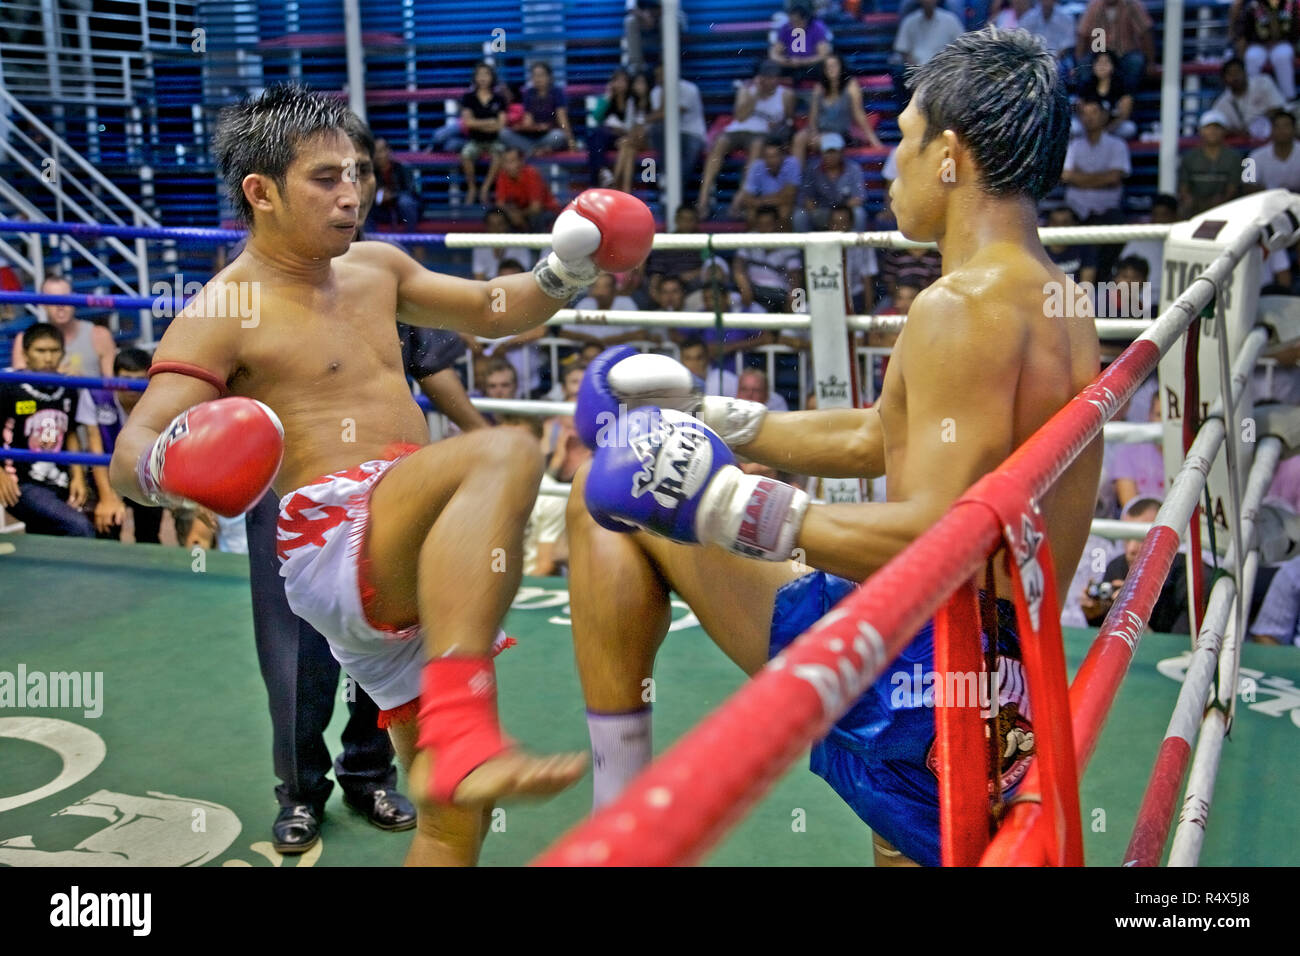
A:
[302,678]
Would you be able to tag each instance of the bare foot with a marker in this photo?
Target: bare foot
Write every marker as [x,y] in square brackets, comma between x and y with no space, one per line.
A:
[513,773]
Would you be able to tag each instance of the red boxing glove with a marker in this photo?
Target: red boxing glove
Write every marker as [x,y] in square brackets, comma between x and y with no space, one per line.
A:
[601,230]
[221,455]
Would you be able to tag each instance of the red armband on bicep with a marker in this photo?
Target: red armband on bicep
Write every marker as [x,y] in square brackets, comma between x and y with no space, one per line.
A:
[193,371]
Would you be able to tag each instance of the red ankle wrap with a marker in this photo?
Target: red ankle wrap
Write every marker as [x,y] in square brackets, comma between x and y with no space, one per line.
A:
[458,720]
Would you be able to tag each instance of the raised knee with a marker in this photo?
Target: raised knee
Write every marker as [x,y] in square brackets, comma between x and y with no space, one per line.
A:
[513,454]
[575,513]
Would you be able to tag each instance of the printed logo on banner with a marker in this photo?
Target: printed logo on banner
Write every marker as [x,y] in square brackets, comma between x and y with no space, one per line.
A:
[833,389]
[825,279]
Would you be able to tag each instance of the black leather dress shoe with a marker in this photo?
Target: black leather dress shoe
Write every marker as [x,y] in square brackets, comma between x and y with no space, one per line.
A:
[296,829]
[384,808]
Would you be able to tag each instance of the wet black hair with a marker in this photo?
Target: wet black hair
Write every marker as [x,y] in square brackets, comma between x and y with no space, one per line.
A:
[1001,93]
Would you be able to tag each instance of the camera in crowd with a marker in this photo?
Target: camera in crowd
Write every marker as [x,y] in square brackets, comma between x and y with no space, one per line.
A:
[1104,591]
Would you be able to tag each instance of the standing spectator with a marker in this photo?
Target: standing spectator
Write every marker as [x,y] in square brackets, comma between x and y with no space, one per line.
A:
[42,418]
[764,275]
[112,407]
[772,182]
[1210,174]
[693,129]
[717,381]
[914,267]
[483,117]
[88,349]
[686,264]
[802,43]
[1266,31]
[643,21]
[836,108]
[522,194]
[860,263]
[1096,165]
[831,181]
[1079,262]
[763,108]
[1278,620]
[1107,88]
[924,32]
[1246,101]
[1051,23]
[1277,164]
[1164,210]
[1138,468]
[753,387]
[545,125]
[395,200]
[603,296]
[1125,29]
[486,262]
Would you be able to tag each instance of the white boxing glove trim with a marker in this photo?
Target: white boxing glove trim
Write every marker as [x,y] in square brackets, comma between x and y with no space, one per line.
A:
[650,379]
[574,237]
[750,515]
[563,280]
[736,421]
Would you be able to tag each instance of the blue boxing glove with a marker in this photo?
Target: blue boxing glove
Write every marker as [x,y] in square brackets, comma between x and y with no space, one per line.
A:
[673,477]
[620,378]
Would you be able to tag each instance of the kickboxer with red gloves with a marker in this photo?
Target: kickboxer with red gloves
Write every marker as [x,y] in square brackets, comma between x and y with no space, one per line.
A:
[388,545]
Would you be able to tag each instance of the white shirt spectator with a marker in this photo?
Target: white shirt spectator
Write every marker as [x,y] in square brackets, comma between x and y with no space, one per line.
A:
[1273,171]
[772,268]
[1249,113]
[725,385]
[1084,156]
[692,107]
[621,303]
[921,38]
[486,262]
[860,263]
[1057,31]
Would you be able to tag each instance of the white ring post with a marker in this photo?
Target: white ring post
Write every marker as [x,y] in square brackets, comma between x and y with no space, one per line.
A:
[832,354]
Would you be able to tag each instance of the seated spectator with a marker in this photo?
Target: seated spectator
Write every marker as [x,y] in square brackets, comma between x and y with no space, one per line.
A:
[1009,14]
[1210,174]
[924,32]
[860,263]
[1278,620]
[683,263]
[753,387]
[773,181]
[195,528]
[635,138]
[836,107]
[41,494]
[613,117]
[1096,165]
[1247,102]
[1169,615]
[915,267]
[563,449]
[483,117]
[1050,22]
[768,276]
[831,182]
[544,127]
[486,262]
[9,282]
[763,108]
[112,407]
[523,195]
[603,296]
[670,295]
[1128,295]
[395,200]
[694,131]
[1138,468]
[718,274]
[717,381]
[1277,164]
[1105,86]
[501,380]
[1164,209]
[1079,262]
[802,43]
[1266,31]
[1125,29]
